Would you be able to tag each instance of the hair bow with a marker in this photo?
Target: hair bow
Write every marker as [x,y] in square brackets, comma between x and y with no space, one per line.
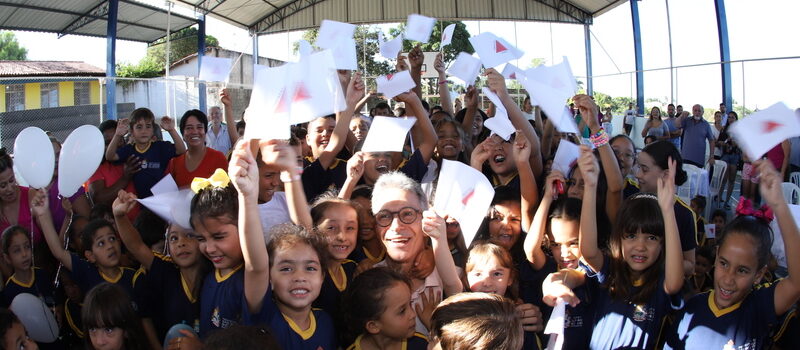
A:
[219,179]
[745,207]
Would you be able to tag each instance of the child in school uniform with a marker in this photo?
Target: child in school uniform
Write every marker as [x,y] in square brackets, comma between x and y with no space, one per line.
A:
[155,155]
[18,253]
[13,334]
[101,248]
[740,313]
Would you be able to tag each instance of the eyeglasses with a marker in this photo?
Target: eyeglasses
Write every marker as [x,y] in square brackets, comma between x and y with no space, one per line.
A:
[406,215]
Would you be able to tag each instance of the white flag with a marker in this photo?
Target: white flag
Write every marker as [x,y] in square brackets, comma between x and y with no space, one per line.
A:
[419,28]
[332,33]
[304,48]
[315,88]
[215,69]
[466,68]
[511,71]
[465,194]
[566,157]
[267,118]
[447,35]
[555,326]
[763,130]
[550,87]
[344,55]
[494,50]
[390,49]
[499,124]
[388,134]
[391,85]
[170,203]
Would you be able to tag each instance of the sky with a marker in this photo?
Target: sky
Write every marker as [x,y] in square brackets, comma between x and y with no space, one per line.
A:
[757,29]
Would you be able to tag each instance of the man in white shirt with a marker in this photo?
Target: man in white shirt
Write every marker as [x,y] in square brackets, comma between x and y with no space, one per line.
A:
[630,114]
[217,135]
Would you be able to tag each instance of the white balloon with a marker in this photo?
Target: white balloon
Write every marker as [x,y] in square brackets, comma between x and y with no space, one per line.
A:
[80,156]
[36,317]
[34,157]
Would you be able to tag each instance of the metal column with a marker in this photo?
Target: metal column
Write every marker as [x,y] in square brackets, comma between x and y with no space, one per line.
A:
[255,54]
[588,42]
[201,50]
[637,48]
[111,50]
[724,54]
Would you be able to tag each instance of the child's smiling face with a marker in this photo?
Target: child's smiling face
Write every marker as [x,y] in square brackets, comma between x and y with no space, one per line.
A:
[218,239]
[296,277]
[736,269]
[340,227]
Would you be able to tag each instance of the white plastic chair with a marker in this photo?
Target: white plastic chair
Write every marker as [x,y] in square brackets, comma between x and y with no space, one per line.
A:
[689,188]
[716,180]
[791,193]
[795,178]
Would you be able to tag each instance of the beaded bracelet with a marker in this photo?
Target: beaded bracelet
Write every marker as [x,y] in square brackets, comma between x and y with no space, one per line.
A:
[600,138]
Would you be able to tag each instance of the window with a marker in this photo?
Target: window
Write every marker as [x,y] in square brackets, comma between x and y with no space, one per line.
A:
[15,97]
[49,93]
[81,93]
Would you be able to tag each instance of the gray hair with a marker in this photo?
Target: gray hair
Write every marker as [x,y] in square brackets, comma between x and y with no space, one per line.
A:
[396,180]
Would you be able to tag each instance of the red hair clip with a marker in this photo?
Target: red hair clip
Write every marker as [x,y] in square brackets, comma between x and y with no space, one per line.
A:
[745,207]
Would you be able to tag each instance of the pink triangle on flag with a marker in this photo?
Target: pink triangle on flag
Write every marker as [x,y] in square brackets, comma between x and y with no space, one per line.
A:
[281,106]
[444,36]
[301,93]
[389,76]
[499,47]
[469,195]
[513,75]
[770,126]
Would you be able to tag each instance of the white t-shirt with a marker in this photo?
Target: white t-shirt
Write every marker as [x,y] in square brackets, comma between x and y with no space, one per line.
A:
[629,115]
[274,212]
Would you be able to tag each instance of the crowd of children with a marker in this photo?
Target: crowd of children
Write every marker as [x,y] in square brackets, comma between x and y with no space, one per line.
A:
[315,244]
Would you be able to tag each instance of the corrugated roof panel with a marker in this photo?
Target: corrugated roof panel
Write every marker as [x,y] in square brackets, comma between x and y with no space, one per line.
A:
[365,11]
[475,8]
[509,9]
[302,19]
[245,11]
[331,9]
[542,11]
[44,20]
[398,10]
[438,9]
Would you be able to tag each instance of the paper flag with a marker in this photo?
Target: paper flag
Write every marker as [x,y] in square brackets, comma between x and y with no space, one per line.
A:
[333,33]
[447,35]
[555,326]
[557,77]
[763,130]
[512,72]
[344,55]
[711,230]
[390,49]
[501,126]
[419,28]
[266,120]
[169,203]
[391,85]
[466,68]
[566,156]
[215,69]
[315,88]
[304,48]
[550,87]
[463,193]
[494,50]
[387,134]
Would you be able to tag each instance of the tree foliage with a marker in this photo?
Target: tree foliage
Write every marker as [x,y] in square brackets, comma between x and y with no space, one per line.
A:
[10,48]
[367,46]
[182,43]
[459,43]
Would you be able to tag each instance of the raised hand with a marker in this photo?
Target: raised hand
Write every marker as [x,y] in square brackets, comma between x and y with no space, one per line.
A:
[482,151]
[279,154]
[496,82]
[124,203]
[438,64]
[434,225]
[355,166]
[38,202]
[167,123]
[770,184]
[555,175]
[588,108]
[416,57]
[471,97]
[522,148]
[123,126]
[243,170]
[666,186]
[355,90]
[401,63]
[587,163]
[225,98]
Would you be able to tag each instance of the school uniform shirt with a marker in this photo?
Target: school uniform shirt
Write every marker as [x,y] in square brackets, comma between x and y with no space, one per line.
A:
[41,285]
[622,324]
[631,188]
[86,276]
[320,335]
[155,158]
[361,253]
[744,325]
[72,314]
[167,299]
[330,295]
[222,301]
[788,335]
[416,342]
[530,283]
[415,167]
[317,180]
[578,320]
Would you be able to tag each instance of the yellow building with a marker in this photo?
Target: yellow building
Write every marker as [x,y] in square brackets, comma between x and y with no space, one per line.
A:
[27,85]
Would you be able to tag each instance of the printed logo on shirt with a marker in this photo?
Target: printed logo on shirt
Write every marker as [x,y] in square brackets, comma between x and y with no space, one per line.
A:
[150,165]
[749,345]
[215,318]
[573,321]
[643,313]
[219,321]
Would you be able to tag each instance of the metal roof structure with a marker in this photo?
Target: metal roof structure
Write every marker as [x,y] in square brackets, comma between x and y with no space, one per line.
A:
[271,16]
[136,21]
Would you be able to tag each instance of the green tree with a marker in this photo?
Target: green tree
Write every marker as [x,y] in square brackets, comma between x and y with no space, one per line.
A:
[10,48]
[182,43]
